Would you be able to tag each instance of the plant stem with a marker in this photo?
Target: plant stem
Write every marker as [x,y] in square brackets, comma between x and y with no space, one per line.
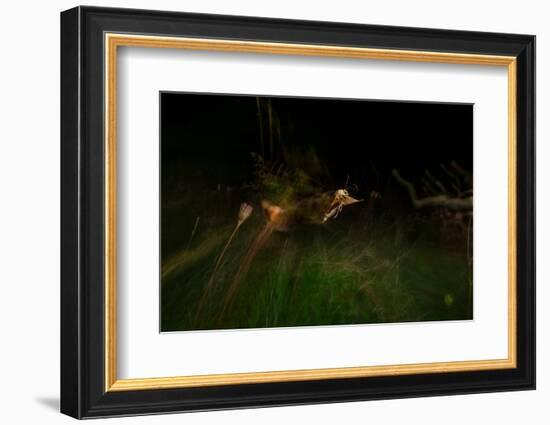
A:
[217,266]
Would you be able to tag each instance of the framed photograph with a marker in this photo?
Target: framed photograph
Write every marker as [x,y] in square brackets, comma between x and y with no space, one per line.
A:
[261,212]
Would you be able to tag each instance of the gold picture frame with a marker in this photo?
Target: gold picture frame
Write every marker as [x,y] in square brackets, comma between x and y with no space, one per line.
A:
[114,41]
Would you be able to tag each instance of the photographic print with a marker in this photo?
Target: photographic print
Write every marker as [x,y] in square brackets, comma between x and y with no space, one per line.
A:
[294,211]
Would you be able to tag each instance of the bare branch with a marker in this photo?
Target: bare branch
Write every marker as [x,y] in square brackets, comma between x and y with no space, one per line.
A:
[466,175]
[443,200]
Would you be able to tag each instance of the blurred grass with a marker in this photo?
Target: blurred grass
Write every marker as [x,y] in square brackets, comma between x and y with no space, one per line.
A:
[351,270]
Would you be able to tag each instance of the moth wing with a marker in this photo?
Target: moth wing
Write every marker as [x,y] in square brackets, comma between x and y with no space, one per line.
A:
[348,200]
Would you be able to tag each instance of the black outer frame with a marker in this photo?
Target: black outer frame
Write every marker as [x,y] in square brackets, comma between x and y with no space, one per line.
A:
[82,212]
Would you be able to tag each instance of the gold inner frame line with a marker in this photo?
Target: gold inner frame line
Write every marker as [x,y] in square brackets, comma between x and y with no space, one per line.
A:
[113,41]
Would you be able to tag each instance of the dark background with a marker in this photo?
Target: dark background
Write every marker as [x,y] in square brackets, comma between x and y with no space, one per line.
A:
[209,137]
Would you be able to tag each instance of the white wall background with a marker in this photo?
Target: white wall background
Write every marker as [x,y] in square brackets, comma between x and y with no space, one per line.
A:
[29,217]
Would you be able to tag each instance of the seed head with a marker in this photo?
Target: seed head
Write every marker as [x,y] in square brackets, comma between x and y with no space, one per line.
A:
[244,212]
